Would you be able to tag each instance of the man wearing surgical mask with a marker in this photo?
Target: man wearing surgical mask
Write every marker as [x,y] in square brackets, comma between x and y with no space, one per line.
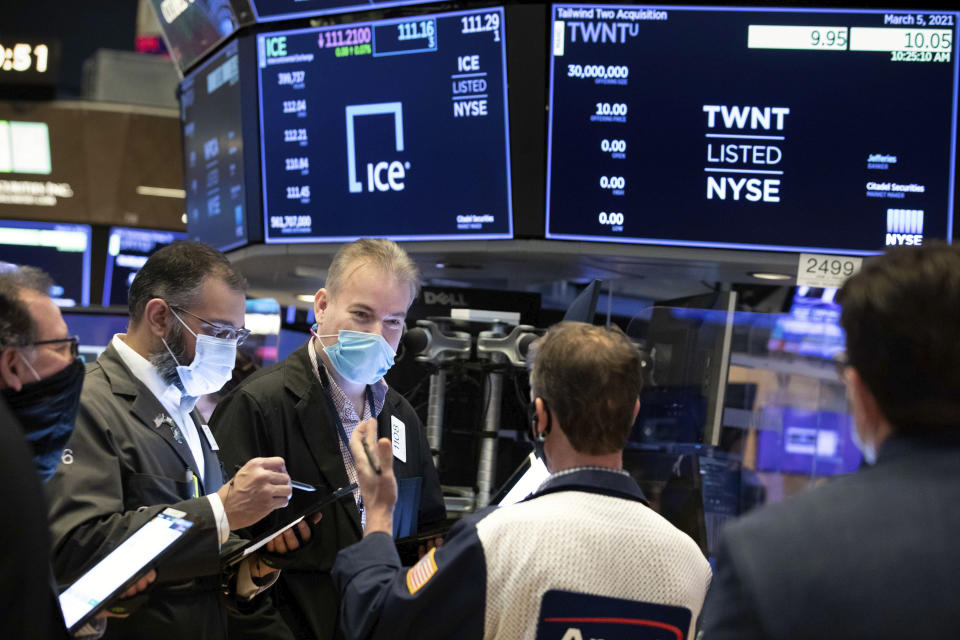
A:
[139,447]
[305,409]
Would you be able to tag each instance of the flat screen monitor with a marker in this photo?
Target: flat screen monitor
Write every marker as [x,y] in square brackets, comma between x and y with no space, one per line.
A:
[213,146]
[192,28]
[95,328]
[750,128]
[394,128]
[805,442]
[61,250]
[812,327]
[267,10]
[127,251]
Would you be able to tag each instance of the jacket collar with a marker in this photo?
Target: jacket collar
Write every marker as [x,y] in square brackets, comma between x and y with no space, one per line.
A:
[917,440]
[593,480]
[317,426]
[145,406]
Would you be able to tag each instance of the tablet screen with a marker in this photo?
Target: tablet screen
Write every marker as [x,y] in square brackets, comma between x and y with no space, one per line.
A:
[123,563]
[531,479]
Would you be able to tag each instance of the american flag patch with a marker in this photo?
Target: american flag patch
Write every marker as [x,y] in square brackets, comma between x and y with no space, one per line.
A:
[420,573]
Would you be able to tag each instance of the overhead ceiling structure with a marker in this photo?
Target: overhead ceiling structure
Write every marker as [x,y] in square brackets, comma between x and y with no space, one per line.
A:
[645,272]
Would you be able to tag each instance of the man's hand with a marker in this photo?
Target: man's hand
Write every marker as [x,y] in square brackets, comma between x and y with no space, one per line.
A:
[378,492]
[259,487]
[136,588]
[288,540]
[140,585]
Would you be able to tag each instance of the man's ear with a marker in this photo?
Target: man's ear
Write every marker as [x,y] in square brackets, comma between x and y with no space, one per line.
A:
[540,417]
[636,410]
[320,301]
[9,359]
[157,317]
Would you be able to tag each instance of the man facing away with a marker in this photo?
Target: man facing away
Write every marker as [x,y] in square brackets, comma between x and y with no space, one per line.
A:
[582,557]
[873,555]
[138,447]
[305,408]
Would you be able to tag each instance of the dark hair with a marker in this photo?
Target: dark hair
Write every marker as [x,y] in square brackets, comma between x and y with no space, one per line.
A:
[175,273]
[901,314]
[17,326]
[590,377]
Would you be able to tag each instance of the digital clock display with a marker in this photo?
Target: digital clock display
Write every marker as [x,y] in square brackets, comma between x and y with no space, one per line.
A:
[25,61]
[818,130]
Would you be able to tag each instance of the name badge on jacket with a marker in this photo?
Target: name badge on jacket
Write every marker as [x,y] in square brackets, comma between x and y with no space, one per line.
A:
[398,434]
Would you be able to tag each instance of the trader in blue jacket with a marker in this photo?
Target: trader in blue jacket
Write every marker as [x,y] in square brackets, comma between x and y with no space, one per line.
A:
[583,557]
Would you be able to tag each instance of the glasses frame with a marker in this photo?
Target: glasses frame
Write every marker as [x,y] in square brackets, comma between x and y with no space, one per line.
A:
[226,331]
[73,340]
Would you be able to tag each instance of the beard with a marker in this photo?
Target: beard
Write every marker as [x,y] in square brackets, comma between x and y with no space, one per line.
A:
[166,363]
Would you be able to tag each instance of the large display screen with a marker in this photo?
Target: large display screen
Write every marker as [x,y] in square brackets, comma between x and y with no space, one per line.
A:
[774,129]
[127,252]
[394,128]
[267,10]
[211,113]
[61,250]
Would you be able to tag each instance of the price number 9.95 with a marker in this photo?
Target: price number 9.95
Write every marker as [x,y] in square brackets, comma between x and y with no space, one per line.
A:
[828,38]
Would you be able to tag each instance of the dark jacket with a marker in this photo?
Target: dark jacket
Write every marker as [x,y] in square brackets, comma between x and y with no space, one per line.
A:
[121,467]
[282,411]
[30,605]
[873,555]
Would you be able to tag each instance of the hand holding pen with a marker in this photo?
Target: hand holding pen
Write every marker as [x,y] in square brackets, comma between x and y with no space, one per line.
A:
[378,486]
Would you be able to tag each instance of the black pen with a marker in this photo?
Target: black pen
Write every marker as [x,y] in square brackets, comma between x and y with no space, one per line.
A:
[366,450]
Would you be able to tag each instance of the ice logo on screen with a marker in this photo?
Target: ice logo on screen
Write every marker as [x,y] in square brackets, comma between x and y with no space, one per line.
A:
[385,175]
[904,226]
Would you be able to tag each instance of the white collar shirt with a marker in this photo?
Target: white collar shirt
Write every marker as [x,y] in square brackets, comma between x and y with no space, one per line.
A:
[177,405]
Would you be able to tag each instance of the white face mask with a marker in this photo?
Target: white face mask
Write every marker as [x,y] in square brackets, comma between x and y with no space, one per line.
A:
[212,365]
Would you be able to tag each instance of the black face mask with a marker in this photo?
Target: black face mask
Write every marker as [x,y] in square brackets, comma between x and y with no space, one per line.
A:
[46,410]
[532,431]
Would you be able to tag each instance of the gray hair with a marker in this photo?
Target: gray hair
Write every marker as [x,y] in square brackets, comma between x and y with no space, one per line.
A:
[379,252]
[17,326]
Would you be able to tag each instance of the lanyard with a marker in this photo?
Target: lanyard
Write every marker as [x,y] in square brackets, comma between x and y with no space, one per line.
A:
[321,374]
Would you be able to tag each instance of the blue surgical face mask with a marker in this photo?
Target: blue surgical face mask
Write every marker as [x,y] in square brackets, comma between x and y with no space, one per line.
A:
[212,365]
[357,356]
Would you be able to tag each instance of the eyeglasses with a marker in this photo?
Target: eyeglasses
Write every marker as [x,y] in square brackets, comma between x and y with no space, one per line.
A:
[216,330]
[74,342]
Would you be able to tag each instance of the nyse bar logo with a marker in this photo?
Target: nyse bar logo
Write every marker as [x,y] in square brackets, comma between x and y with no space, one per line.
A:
[904,226]
[385,175]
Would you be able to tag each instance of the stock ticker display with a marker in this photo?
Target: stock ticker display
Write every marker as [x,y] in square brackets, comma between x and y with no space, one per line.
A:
[267,10]
[752,128]
[210,110]
[393,128]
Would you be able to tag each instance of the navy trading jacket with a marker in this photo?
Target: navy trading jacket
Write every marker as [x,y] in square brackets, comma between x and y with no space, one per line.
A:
[583,557]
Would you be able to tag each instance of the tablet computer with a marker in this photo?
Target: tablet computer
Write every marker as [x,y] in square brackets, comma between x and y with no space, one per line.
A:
[123,566]
[235,556]
[526,479]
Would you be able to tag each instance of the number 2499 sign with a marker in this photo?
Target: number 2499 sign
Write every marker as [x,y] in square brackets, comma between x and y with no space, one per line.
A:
[819,270]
